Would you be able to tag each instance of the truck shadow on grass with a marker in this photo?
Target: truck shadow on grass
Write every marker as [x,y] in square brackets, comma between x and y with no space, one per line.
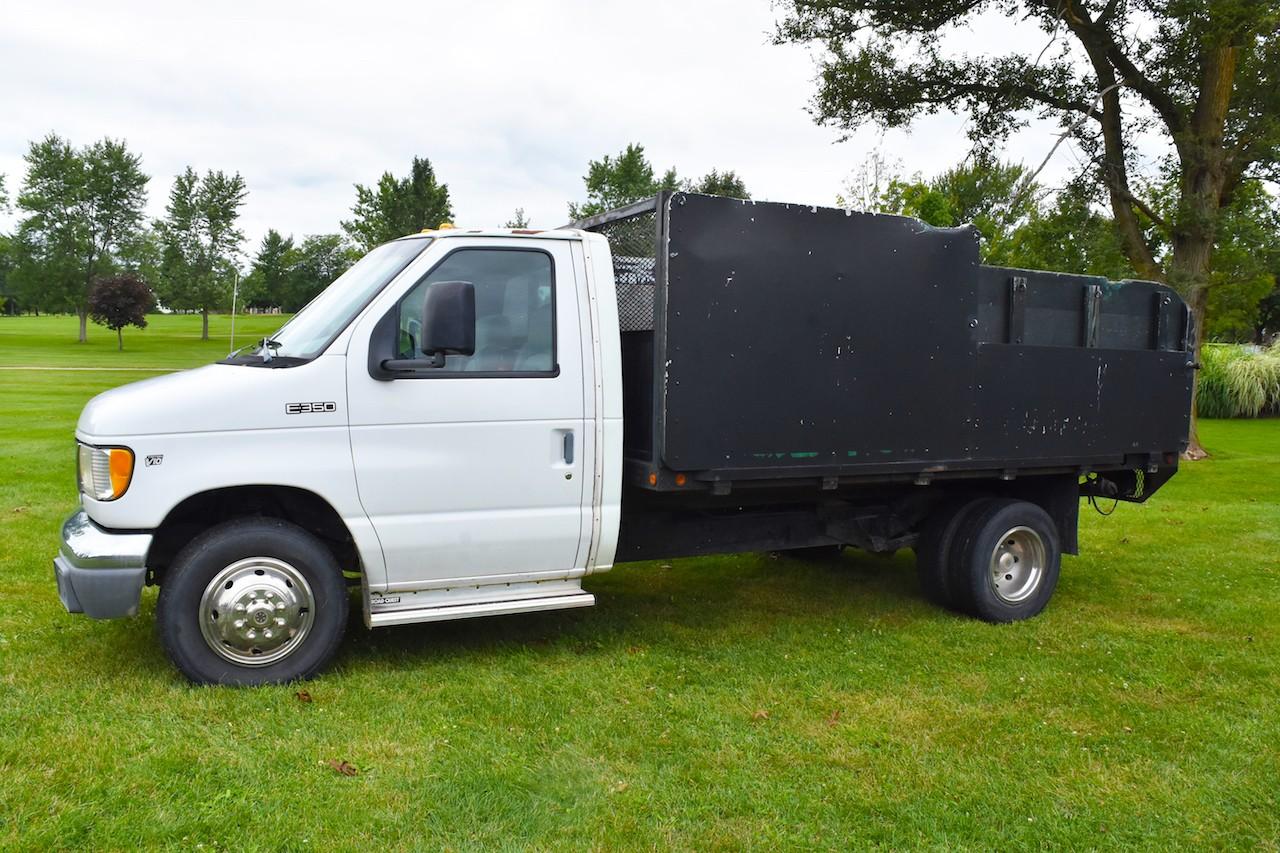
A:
[678,603]
[677,606]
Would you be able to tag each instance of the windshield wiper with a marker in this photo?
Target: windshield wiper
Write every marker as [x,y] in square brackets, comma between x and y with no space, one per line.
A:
[261,352]
[267,348]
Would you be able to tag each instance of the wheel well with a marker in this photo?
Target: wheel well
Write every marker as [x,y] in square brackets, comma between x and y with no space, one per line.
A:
[1056,494]
[202,511]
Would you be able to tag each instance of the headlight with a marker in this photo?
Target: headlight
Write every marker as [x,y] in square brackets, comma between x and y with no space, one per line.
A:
[105,471]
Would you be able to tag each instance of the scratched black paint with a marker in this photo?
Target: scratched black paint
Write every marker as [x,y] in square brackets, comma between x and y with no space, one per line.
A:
[792,341]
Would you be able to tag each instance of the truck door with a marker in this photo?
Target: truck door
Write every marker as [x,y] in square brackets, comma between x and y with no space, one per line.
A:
[474,471]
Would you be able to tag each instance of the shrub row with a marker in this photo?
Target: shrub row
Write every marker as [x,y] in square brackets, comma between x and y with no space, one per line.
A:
[1239,382]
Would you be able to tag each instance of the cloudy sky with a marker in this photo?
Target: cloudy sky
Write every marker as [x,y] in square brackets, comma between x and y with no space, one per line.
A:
[508,100]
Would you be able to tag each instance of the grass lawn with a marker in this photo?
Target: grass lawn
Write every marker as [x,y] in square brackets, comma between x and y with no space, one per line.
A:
[743,701]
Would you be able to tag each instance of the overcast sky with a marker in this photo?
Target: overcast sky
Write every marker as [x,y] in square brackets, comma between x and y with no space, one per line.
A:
[508,100]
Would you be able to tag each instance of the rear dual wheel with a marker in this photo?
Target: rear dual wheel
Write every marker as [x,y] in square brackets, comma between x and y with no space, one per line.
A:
[994,558]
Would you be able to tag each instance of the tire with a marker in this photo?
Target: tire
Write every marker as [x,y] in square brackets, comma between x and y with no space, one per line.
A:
[280,580]
[935,545]
[1005,561]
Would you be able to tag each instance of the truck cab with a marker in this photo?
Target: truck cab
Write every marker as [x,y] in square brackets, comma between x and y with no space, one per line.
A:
[476,478]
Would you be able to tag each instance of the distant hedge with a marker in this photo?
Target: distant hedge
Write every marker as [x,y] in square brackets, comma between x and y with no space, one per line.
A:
[1239,381]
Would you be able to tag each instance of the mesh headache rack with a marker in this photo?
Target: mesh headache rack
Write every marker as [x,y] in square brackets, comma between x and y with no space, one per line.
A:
[632,232]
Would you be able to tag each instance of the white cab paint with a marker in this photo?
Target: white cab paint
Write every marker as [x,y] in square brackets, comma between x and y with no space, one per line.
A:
[456,491]
[465,479]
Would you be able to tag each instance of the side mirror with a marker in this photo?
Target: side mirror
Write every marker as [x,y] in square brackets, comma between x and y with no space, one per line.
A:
[449,320]
[448,328]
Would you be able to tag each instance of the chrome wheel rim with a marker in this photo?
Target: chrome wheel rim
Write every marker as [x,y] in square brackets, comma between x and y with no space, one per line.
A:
[256,611]
[1017,564]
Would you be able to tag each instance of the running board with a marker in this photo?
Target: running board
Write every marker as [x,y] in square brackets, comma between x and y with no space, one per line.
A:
[492,608]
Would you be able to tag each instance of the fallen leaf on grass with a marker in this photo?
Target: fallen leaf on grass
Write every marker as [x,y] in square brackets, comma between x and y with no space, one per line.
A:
[760,715]
[833,718]
[303,696]
[342,767]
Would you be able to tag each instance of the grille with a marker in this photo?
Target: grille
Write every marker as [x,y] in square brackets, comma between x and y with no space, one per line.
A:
[633,243]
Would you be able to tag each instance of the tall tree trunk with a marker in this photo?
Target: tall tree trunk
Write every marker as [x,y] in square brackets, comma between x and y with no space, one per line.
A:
[204,316]
[84,324]
[1199,304]
[1204,178]
[120,339]
[1189,274]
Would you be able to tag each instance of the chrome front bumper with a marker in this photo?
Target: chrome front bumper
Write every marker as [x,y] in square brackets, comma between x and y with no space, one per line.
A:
[100,573]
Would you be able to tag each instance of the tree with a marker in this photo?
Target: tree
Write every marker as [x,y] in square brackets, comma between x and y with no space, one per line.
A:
[7,305]
[120,301]
[316,264]
[268,282]
[398,206]
[726,183]
[1204,75]
[1246,259]
[1070,235]
[866,188]
[200,242]
[1267,326]
[8,300]
[81,206]
[143,255]
[992,196]
[617,181]
[517,220]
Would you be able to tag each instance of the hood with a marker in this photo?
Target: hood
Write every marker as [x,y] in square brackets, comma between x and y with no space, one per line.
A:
[221,397]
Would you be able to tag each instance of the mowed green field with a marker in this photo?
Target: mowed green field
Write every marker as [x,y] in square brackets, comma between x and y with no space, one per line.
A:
[745,701]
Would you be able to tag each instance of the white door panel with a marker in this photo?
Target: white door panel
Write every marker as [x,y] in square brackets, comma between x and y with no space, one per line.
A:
[465,476]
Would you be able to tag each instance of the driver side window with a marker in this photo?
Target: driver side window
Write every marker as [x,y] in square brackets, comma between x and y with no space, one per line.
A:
[515,311]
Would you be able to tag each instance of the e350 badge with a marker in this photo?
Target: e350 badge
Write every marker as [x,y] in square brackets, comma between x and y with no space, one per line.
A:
[309,408]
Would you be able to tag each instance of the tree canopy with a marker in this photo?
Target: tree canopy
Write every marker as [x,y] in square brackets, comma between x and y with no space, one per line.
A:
[80,209]
[120,301]
[726,183]
[267,285]
[518,219]
[619,180]
[992,196]
[1203,75]
[288,276]
[200,241]
[395,206]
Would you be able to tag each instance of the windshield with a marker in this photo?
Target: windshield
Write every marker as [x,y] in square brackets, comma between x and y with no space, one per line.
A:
[312,329]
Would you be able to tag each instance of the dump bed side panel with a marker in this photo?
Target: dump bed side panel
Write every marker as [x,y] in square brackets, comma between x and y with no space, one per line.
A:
[1072,366]
[810,336]
[766,341]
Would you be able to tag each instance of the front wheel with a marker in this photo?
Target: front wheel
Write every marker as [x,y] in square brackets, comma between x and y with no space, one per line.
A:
[253,601]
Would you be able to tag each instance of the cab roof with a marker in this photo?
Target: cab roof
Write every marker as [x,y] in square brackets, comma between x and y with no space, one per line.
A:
[548,233]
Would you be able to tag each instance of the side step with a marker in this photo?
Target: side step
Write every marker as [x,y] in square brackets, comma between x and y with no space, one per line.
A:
[492,608]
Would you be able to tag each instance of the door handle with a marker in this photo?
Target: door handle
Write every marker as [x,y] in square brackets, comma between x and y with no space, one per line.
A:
[568,447]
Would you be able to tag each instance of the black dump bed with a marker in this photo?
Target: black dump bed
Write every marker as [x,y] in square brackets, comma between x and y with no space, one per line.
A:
[767,341]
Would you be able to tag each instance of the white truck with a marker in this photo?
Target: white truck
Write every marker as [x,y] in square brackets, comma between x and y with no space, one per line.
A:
[456,420]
